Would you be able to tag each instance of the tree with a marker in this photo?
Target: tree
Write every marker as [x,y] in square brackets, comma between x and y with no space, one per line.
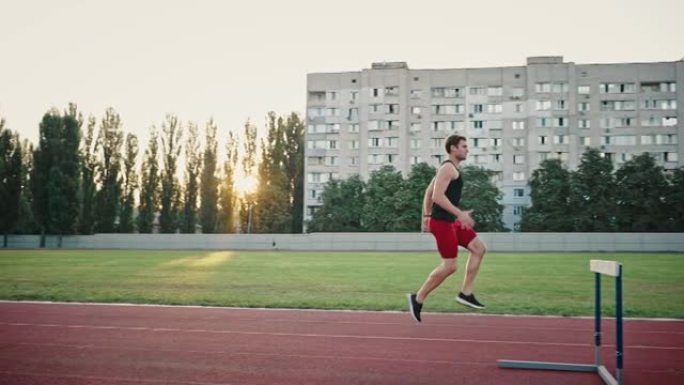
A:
[227,198]
[89,166]
[550,194]
[55,176]
[126,224]
[409,208]
[294,169]
[271,213]
[170,191]
[249,162]
[382,200]
[149,190]
[109,142]
[482,196]
[342,207]
[209,182]
[592,194]
[11,178]
[193,163]
[26,223]
[641,191]
[674,200]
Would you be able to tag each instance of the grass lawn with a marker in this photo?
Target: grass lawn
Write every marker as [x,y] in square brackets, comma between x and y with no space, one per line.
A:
[512,283]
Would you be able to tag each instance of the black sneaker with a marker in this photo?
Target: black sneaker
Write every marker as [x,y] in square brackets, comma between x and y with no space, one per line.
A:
[469,300]
[414,306]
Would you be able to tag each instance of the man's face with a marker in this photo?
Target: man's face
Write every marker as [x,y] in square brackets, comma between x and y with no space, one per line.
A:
[460,151]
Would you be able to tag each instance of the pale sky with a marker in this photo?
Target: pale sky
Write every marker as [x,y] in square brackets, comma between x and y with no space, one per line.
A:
[233,60]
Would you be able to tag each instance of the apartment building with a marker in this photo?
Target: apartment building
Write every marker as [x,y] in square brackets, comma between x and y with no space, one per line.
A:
[513,117]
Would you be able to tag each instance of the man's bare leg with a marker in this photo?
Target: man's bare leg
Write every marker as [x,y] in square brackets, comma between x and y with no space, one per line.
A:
[477,250]
[436,277]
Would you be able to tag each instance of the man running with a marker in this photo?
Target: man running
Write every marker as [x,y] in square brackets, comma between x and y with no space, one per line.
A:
[451,227]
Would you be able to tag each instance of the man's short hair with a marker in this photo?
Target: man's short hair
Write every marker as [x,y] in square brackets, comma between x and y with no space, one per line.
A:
[453,140]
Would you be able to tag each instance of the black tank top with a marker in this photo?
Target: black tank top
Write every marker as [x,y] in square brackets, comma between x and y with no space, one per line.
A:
[453,193]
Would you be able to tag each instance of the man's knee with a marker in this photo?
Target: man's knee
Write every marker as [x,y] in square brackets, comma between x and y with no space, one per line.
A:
[477,247]
[449,266]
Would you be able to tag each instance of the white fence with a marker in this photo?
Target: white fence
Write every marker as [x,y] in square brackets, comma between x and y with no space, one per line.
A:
[597,242]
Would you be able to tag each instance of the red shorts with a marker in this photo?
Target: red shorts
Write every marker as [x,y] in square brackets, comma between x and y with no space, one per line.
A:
[449,235]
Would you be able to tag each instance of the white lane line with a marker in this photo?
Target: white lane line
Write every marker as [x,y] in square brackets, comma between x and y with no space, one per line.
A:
[332,336]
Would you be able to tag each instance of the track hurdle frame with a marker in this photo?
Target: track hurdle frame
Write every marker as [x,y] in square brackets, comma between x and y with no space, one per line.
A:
[599,267]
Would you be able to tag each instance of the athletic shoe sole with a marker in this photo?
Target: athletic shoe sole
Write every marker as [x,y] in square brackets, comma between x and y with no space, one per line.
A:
[466,303]
[410,303]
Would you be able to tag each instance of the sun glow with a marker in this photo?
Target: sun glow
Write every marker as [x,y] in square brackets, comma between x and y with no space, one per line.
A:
[245,185]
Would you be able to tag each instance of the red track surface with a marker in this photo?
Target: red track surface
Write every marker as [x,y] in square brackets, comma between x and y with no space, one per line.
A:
[99,344]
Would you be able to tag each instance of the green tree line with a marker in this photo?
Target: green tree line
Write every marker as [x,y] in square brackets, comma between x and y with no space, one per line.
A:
[637,197]
[390,202]
[85,180]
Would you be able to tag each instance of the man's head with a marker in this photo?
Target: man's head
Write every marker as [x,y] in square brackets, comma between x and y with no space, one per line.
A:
[456,145]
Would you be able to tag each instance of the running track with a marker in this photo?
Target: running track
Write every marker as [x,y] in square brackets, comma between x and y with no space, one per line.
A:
[73,344]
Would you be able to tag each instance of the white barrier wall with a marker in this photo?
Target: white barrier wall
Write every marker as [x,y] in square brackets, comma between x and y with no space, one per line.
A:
[635,242]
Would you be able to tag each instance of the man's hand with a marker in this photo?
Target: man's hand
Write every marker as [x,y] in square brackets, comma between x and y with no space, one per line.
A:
[426,224]
[466,219]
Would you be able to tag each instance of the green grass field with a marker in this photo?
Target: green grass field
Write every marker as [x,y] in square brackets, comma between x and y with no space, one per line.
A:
[509,283]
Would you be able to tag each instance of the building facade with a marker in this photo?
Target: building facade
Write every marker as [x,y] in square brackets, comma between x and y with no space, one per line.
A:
[513,117]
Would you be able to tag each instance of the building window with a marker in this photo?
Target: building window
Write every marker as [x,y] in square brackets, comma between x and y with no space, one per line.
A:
[584,123]
[585,140]
[354,127]
[583,106]
[415,110]
[542,87]
[560,139]
[415,143]
[415,127]
[543,105]
[477,124]
[518,159]
[494,108]
[518,192]
[518,124]
[518,92]
[584,90]
[494,91]
[478,91]
[668,87]
[519,107]
[392,108]
[476,108]
[560,87]
[447,109]
[518,176]
[670,157]
[517,142]
[392,91]
[416,94]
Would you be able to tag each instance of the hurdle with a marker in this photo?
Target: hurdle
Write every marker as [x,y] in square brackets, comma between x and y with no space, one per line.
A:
[609,268]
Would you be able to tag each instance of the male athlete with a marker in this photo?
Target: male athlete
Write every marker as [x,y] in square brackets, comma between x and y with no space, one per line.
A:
[451,227]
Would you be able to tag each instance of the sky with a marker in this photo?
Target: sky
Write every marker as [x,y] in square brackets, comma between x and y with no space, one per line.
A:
[237,60]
